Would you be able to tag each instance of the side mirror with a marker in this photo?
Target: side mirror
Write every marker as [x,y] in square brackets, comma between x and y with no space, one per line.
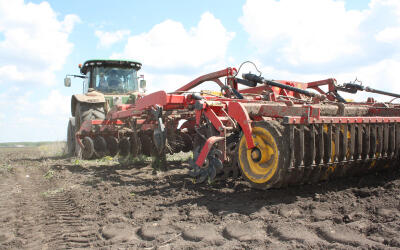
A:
[142,84]
[67,82]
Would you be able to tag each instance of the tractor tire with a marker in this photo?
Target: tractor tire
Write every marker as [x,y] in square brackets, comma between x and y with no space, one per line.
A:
[86,112]
[71,137]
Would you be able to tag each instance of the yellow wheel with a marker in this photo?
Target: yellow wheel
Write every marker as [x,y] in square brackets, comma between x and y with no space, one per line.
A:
[261,165]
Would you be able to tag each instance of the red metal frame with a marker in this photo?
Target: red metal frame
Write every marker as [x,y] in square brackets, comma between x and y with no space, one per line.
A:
[228,72]
[206,149]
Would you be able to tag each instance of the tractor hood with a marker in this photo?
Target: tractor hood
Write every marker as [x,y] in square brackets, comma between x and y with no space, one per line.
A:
[91,97]
[109,100]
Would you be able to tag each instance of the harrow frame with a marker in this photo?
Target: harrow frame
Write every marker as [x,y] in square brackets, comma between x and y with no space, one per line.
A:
[321,130]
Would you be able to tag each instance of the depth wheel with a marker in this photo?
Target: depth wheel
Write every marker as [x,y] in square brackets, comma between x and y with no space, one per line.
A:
[88,151]
[100,146]
[261,166]
[112,145]
[136,148]
[124,147]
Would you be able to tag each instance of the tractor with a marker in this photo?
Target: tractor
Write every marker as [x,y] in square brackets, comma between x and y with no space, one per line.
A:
[106,83]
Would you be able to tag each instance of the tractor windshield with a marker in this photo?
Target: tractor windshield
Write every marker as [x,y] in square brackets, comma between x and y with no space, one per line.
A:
[115,80]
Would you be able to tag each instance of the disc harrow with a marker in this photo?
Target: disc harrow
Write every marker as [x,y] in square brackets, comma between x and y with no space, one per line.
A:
[272,133]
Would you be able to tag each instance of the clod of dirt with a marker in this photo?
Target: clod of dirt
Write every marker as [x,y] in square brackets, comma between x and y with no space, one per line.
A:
[289,212]
[319,197]
[262,213]
[140,214]
[244,231]
[359,226]
[387,212]
[344,235]
[206,233]
[170,214]
[152,231]
[115,218]
[320,215]
[393,243]
[353,216]
[5,237]
[199,213]
[119,232]
[363,192]
[297,232]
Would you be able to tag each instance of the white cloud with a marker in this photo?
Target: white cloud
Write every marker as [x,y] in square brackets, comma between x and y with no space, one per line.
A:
[389,35]
[55,104]
[169,45]
[35,42]
[167,82]
[30,118]
[310,31]
[315,32]
[109,38]
[14,73]
[2,118]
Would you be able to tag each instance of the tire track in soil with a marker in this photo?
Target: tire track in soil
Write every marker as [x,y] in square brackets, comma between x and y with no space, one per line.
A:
[20,211]
[68,227]
[7,217]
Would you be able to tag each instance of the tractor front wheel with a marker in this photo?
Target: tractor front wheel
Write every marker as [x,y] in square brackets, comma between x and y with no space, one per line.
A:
[86,112]
[71,136]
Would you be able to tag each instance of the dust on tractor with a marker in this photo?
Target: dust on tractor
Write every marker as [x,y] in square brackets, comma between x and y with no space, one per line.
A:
[272,133]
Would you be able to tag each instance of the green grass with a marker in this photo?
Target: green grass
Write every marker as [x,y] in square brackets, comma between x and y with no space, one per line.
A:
[49,174]
[6,168]
[141,159]
[180,157]
[52,192]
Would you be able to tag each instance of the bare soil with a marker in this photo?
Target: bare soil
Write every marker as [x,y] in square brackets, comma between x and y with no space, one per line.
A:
[58,203]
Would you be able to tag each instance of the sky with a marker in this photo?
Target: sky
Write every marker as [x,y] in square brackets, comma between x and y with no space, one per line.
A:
[177,41]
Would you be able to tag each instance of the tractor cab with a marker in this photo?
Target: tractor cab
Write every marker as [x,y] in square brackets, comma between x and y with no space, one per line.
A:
[112,76]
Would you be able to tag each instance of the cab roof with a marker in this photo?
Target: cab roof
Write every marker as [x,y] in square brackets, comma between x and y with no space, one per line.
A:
[110,62]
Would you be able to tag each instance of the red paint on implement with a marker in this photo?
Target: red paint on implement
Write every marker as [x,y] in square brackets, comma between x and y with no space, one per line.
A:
[206,149]
[237,112]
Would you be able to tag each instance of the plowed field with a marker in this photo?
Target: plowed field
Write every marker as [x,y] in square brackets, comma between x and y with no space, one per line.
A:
[49,202]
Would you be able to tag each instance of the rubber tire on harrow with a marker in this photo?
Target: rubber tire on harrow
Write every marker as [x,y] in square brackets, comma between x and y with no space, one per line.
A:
[88,152]
[147,145]
[265,174]
[136,148]
[71,136]
[85,112]
[100,146]
[112,145]
[124,147]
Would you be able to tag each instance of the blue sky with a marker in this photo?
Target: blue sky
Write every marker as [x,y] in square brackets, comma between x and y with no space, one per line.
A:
[305,40]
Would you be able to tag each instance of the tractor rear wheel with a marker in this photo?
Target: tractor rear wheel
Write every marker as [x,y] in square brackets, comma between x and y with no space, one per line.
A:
[86,112]
[71,136]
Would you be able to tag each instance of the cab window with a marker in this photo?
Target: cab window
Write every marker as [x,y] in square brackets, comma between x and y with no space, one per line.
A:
[115,80]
